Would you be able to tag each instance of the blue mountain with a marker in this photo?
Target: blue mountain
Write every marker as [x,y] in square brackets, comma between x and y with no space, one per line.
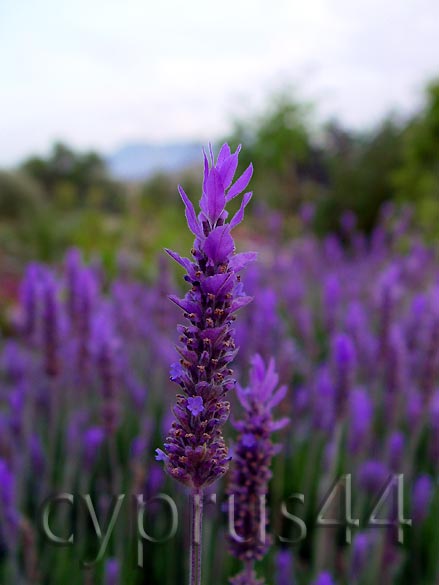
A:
[136,162]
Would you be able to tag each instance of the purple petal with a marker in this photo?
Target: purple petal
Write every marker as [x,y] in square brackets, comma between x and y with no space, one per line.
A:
[228,169]
[240,261]
[216,198]
[185,262]
[239,215]
[206,170]
[240,183]
[277,425]
[277,397]
[249,440]
[218,284]
[219,244]
[223,154]
[160,455]
[240,302]
[243,396]
[191,216]
[185,304]
[212,158]
[195,405]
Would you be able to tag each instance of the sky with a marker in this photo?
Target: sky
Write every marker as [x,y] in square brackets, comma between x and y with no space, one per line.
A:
[104,73]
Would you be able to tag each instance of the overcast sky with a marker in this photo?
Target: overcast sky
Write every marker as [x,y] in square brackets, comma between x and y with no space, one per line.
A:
[100,73]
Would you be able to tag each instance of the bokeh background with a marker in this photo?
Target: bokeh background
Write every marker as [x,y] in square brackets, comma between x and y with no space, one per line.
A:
[105,108]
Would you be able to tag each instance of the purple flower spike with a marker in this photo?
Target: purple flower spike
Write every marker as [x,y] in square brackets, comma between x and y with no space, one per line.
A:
[112,572]
[253,454]
[422,495]
[395,446]
[8,511]
[29,291]
[373,476]
[104,345]
[93,439]
[361,412]
[360,554]
[324,579]
[195,453]
[51,326]
[344,363]
[284,568]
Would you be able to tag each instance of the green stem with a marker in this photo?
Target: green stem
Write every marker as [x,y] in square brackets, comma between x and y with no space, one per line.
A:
[196,537]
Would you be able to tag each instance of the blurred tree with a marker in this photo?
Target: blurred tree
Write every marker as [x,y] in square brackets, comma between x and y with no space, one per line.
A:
[289,167]
[360,168]
[19,195]
[417,177]
[346,170]
[160,190]
[76,179]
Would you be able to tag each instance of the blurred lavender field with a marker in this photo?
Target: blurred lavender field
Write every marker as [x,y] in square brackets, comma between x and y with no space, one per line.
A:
[353,322]
[143,440]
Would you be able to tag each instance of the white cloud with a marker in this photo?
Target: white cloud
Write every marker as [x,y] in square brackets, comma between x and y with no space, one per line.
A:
[104,72]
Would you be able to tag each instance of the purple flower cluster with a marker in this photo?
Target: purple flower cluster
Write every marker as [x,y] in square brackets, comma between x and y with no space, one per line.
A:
[195,452]
[253,453]
[353,326]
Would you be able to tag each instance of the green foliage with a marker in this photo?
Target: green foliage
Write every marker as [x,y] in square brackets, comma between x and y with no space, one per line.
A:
[279,144]
[19,195]
[340,170]
[72,180]
[417,177]
[360,171]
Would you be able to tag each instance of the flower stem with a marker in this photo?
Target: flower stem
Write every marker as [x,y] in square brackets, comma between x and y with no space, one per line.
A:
[196,537]
[249,567]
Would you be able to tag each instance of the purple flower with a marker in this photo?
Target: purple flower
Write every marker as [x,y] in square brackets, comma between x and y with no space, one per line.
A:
[29,294]
[373,476]
[422,497]
[73,266]
[51,325]
[361,413]
[395,365]
[395,447]
[348,222]
[13,362]
[37,455]
[253,454]
[8,511]
[93,439]
[343,363]
[195,453]
[331,301]
[195,405]
[86,304]
[430,371]
[324,579]
[388,293]
[112,572]
[307,213]
[104,345]
[323,401]
[360,554]
[284,568]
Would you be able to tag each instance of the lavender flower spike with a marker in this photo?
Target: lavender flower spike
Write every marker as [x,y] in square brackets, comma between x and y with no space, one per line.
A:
[112,572]
[324,579]
[195,452]
[251,472]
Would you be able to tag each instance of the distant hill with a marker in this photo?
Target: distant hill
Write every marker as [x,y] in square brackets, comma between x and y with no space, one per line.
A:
[135,162]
